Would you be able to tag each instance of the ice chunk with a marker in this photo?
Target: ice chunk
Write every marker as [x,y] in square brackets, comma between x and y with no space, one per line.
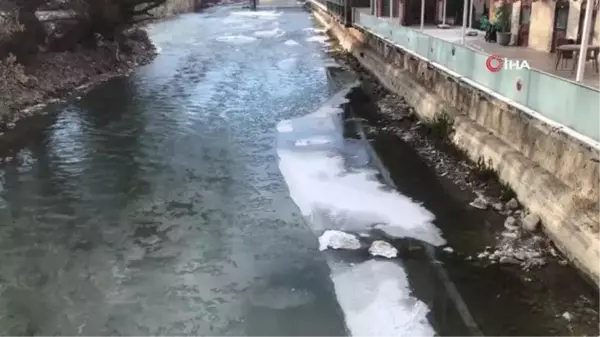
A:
[338,240]
[382,248]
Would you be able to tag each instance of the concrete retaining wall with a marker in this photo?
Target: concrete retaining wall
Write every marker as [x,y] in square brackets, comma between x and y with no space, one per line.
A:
[554,175]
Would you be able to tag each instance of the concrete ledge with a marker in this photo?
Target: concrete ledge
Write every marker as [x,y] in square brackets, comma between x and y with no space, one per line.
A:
[564,195]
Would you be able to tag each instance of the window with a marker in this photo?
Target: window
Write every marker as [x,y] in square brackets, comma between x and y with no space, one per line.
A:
[562,17]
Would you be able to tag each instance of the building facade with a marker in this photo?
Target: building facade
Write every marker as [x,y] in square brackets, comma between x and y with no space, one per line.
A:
[537,24]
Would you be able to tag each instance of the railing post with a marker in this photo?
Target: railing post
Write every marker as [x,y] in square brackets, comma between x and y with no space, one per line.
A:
[463,30]
[585,38]
[422,14]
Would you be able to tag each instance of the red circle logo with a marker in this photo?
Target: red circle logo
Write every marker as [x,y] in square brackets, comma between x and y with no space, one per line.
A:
[494,63]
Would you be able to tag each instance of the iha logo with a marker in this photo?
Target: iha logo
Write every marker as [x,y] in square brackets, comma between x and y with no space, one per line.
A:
[495,63]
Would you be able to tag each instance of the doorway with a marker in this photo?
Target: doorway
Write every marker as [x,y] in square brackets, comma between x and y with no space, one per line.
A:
[386,7]
[561,17]
[413,12]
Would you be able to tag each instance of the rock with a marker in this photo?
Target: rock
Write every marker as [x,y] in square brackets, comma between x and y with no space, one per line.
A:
[527,255]
[508,260]
[480,203]
[498,206]
[510,235]
[512,204]
[382,248]
[590,311]
[511,224]
[530,222]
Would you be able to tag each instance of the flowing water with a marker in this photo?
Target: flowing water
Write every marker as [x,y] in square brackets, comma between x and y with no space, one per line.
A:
[189,197]
[155,204]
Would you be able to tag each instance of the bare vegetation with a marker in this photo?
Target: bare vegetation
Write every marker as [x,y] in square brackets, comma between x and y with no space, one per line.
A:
[49,47]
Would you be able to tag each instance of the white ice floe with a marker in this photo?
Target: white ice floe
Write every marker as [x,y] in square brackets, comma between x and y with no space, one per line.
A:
[382,248]
[291,43]
[374,295]
[240,23]
[376,300]
[318,140]
[338,240]
[332,64]
[236,39]
[319,182]
[315,30]
[318,38]
[448,249]
[287,64]
[266,15]
[285,126]
[276,32]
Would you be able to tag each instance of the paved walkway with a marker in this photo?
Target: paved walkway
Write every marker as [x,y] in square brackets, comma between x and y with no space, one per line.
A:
[537,59]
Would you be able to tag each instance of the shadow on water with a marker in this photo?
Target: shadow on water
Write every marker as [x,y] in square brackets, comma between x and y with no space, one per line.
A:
[502,299]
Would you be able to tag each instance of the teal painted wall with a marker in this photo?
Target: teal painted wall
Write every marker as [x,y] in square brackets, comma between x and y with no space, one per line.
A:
[560,100]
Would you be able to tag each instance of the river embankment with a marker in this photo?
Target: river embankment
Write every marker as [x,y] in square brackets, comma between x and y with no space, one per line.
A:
[493,255]
[54,76]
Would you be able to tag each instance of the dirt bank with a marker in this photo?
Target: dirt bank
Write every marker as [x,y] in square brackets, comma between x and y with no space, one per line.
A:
[55,76]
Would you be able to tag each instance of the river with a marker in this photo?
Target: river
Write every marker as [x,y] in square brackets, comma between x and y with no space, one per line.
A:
[188,199]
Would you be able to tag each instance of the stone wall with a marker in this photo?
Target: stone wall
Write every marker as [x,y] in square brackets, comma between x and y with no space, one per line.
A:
[554,175]
[174,7]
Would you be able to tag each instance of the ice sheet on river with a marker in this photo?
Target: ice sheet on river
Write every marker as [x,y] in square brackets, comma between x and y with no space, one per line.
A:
[376,299]
[272,33]
[338,240]
[266,15]
[291,43]
[337,194]
[236,39]
[318,38]
[335,197]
